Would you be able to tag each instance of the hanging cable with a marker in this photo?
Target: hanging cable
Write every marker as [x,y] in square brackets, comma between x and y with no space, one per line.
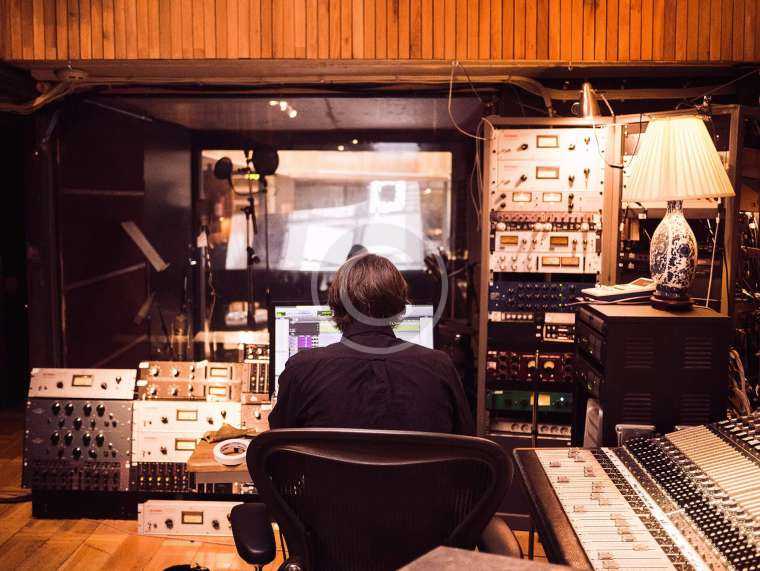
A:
[712,259]
[448,106]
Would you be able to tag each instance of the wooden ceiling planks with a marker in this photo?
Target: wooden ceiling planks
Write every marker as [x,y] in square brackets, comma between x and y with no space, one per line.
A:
[561,31]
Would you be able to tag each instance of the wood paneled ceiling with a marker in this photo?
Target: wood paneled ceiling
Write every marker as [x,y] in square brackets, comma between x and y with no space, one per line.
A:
[543,32]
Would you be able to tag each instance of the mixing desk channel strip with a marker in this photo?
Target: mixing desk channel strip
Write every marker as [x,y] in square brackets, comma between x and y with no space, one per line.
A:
[712,518]
[615,525]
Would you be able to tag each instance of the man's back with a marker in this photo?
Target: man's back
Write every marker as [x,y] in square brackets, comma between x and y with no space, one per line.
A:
[371,379]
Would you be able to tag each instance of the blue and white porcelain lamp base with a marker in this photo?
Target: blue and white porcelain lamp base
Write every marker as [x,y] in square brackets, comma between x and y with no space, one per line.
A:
[673,260]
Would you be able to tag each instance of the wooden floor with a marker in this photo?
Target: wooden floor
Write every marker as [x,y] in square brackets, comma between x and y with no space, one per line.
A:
[41,544]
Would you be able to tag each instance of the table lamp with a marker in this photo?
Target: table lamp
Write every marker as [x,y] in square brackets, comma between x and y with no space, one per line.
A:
[677,160]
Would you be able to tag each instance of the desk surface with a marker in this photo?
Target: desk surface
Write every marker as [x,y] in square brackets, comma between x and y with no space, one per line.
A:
[557,535]
[450,559]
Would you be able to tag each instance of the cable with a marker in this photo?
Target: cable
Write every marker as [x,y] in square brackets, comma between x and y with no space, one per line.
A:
[719,87]
[616,302]
[599,151]
[56,92]
[454,64]
[712,260]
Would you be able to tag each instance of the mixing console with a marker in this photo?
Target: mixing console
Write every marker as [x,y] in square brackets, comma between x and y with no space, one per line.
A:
[688,500]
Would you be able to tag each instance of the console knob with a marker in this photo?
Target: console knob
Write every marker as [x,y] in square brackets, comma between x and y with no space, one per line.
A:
[100,439]
[78,423]
[210,420]
[524,147]
[257,415]
[169,523]
[101,409]
[175,391]
[86,438]
[68,438]
[118,380]
[224,414]
[87,408]
[55,438]
[56,408]
[164,420]
[215,524]
[69,408]
[175,372]
[92,453]
[104,386]
[154,371]
[76,453]
[571,147]
[523,177]
[163,450]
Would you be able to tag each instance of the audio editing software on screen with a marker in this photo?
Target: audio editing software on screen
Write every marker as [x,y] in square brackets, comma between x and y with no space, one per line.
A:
[301,327]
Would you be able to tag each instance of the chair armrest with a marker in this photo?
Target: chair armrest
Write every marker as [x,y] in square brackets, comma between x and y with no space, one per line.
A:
[252,532]
[498,538]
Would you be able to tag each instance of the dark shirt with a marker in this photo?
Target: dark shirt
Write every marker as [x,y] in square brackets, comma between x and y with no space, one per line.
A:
[344,386]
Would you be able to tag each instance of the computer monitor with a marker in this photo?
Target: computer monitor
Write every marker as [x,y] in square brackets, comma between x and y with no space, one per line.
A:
[300,327]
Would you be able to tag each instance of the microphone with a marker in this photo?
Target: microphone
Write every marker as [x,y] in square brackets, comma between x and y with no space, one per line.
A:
[224,169]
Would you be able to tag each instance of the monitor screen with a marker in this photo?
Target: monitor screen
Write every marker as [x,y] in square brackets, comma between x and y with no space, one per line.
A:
[301,327]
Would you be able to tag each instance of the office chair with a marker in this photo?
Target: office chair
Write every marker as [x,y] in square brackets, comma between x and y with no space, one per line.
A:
[366,499]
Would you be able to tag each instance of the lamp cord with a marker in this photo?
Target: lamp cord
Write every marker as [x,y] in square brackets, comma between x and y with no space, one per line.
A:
[712,260]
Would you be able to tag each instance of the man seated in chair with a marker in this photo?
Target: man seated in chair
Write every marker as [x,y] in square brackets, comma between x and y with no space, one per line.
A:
[371,379]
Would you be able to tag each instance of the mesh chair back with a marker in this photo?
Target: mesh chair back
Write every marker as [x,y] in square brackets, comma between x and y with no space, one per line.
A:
[363,499]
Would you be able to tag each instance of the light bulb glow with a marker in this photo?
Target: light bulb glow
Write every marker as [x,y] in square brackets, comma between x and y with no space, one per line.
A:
[273,103]
[292,113]
[354,141]
[283,105]
[341,148]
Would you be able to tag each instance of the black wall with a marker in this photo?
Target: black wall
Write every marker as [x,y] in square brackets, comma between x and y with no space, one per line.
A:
[104,167]
[13,316]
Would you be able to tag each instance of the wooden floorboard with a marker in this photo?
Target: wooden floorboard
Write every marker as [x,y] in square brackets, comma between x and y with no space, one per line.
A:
[75,544]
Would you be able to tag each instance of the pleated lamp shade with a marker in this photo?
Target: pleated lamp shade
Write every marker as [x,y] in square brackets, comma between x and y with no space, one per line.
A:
[677,160]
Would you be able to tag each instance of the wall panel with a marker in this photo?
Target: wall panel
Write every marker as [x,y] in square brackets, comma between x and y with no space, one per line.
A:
[560,31]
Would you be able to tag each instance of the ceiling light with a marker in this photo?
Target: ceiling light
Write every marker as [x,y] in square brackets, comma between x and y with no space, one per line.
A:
[587,105]
[283,105]
[341,148]
[273,102]
[292,113]
[354,141]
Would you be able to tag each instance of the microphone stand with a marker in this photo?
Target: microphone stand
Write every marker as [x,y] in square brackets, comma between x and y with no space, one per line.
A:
[251,258]
[263,189]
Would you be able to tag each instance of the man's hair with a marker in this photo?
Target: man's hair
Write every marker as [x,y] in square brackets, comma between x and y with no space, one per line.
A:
[367,285]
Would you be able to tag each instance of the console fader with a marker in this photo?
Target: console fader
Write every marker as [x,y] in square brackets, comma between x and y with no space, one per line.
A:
[688,500]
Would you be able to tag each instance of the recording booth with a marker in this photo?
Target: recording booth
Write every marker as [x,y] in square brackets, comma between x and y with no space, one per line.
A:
[380,284]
